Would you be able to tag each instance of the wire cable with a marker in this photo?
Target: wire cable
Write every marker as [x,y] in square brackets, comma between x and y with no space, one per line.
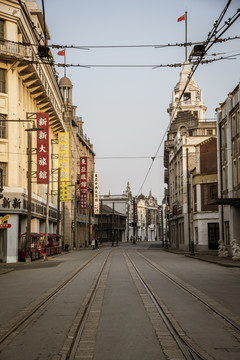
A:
[209,43]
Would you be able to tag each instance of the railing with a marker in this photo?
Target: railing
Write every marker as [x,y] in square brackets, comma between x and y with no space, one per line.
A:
[26,52]
[12,48]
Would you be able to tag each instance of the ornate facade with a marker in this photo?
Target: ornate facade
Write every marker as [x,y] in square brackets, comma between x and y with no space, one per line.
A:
[188,128]
[28,85]
[228,119]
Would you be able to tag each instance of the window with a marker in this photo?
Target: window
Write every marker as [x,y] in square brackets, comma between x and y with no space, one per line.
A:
[187,97]
[234,172]
[238,122]
[3,166]
[1,31]
[227,233]
[209,132]
[2,81]
[233,125]
[238,170]
[213,192]
[3,127]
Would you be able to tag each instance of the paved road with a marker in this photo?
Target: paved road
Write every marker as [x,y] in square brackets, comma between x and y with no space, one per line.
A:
[125,329]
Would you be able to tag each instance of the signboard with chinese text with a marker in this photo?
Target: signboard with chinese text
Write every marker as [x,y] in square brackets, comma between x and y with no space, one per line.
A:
[43,148]
[63,156]
[83,182]
[96,193]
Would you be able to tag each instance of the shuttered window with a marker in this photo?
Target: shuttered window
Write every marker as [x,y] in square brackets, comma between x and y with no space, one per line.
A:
[3,127]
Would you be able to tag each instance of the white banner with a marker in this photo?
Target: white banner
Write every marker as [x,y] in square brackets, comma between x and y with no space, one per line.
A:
[96,193]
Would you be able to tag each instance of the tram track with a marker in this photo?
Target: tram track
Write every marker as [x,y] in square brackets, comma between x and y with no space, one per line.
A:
[81,338]
[10,329]
[189,350]
[210,304]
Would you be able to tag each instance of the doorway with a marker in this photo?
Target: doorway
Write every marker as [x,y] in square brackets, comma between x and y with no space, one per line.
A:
[213,236]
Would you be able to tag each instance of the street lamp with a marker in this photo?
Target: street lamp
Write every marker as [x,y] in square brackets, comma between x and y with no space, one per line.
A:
[34,128]
[29,199]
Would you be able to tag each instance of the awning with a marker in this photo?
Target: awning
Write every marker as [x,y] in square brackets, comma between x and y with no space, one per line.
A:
[225,201]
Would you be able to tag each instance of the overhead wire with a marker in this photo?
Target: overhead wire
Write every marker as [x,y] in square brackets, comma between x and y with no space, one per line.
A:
[208,44]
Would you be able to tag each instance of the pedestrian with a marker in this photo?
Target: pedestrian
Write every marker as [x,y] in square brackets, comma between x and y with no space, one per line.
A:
[96,244]
[93,244]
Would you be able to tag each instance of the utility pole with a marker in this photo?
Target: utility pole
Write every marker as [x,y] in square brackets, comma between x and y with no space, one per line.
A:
[58,202]
[29,199]
[46,224]
[75,217]
[101,221]
[113,230]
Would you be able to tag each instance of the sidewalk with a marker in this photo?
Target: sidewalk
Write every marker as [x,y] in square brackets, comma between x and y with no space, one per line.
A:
[208,257]
[8,267]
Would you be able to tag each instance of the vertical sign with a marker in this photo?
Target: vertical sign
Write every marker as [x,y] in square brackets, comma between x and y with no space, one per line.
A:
[96,193]
[63,155]
[43,148]
[83,182]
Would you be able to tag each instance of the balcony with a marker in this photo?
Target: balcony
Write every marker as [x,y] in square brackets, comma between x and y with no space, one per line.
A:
[40,79]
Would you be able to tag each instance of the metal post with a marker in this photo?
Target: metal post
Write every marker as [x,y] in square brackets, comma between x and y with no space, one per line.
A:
[113,230]
[75,218]
[186,35]
[29,199]
[46,224]
[101,228]
[58,202]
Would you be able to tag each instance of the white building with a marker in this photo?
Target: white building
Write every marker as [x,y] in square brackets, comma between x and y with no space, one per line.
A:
[187,130]
[147,218]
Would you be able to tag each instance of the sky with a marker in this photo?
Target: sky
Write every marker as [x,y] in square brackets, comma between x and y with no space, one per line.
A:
[125,109]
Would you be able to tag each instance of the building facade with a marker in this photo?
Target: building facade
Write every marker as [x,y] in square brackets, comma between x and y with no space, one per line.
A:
[29,85]
[228,120]
[187,129]
[203,188]
[111,225]
[148,220]
[78,224]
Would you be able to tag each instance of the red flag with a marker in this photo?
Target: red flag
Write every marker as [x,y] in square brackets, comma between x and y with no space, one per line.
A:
[181,18]
[61,52]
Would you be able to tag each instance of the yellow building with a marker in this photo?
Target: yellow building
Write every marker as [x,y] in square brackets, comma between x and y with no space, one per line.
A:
[29,85]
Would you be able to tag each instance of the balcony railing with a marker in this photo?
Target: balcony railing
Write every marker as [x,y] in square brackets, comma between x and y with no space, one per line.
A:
[25,52]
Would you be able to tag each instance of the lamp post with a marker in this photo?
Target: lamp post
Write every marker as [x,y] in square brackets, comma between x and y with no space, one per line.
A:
[29,199]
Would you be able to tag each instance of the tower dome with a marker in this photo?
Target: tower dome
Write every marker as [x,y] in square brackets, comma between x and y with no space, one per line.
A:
[66,86]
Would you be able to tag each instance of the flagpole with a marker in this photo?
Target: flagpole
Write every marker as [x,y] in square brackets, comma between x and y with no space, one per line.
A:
[185,35]
[64,62]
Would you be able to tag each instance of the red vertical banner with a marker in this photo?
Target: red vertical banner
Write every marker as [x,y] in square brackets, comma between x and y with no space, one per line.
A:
[43,148]
[83,182]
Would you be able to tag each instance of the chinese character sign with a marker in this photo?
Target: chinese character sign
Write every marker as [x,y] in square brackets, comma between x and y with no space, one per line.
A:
[83,182]
[43,148]
[96,193]
[63,156]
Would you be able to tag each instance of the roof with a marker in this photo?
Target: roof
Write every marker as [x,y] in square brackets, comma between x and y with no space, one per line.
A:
[107,210]
[65,81]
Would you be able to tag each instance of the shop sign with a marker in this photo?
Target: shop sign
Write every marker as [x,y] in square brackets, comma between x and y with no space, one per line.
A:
[43,148]
[96,193]
[5,226]
[83,182]
[63,156]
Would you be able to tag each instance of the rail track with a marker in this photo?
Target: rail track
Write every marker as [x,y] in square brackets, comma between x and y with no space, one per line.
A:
[13,327]
[79,341]
[209,303]
[187,349]
[81,337]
